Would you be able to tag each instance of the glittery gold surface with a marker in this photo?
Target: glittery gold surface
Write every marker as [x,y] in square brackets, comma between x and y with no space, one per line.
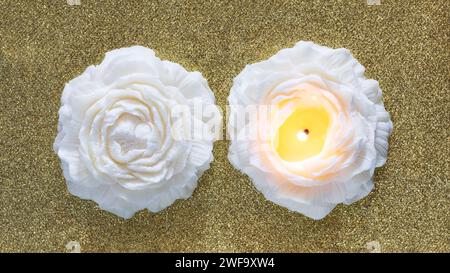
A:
[402,44]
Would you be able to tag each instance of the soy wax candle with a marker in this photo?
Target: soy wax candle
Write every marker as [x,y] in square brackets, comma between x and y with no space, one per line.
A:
[329,131]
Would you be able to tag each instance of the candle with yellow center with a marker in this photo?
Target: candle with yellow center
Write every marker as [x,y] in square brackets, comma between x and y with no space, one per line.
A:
[325,131]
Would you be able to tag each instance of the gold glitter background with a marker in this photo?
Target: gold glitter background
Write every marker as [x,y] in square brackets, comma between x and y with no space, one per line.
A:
[402,44]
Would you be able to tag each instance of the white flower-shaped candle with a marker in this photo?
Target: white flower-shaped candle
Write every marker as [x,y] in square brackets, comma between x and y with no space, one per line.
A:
[117,132]
[324,133]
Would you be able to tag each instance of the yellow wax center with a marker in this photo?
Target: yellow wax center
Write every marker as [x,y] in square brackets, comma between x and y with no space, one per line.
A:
[303,133]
